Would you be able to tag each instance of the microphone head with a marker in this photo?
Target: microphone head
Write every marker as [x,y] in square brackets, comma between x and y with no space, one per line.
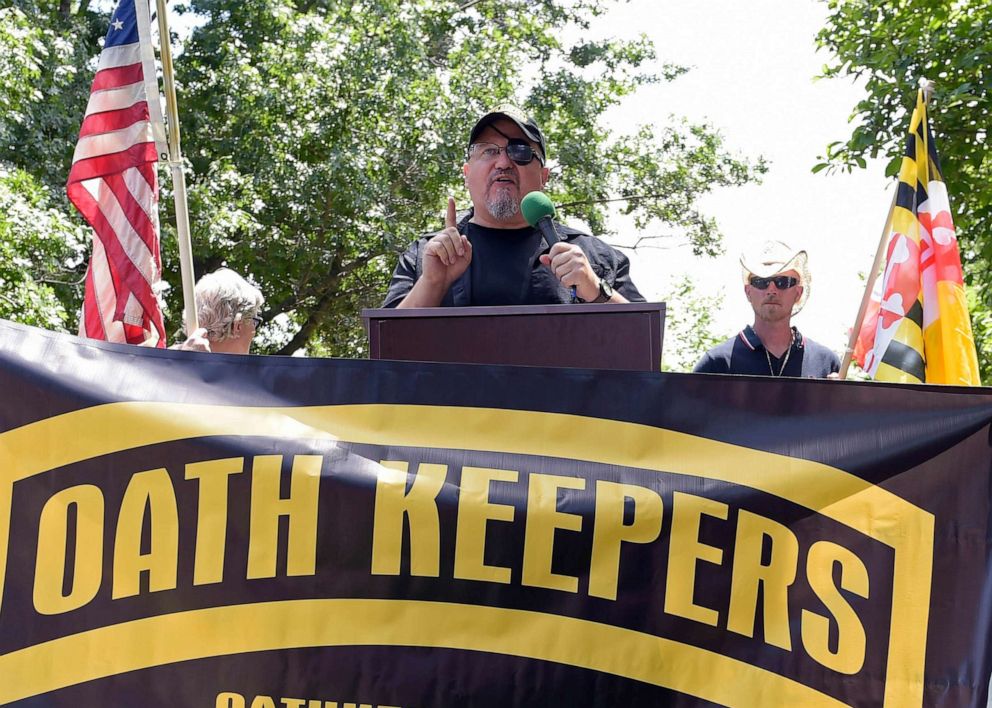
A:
[535,206]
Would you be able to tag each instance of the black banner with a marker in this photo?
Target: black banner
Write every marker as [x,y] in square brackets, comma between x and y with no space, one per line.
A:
[184,529]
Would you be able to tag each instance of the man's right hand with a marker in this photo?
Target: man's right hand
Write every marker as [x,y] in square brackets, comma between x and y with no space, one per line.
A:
[446,257]
[447,254]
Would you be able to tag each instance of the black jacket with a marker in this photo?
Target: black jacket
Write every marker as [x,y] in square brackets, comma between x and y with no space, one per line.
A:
[608,263]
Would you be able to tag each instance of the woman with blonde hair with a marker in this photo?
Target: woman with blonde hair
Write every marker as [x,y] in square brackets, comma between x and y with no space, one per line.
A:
[228,308]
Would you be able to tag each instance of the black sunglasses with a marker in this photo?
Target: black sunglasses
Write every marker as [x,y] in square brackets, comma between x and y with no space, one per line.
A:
[516,149]
[782,282]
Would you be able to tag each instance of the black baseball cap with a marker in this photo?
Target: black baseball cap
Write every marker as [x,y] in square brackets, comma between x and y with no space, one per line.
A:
[523,121]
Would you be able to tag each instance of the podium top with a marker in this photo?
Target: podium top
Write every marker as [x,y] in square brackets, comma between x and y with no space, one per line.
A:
[591,336]
[385,313]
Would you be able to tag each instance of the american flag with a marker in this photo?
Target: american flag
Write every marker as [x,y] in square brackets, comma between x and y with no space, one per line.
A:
[113,184]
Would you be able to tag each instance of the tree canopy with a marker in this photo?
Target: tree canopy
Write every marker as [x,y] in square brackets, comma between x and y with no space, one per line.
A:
[37,240]
[41,242]
[322,137]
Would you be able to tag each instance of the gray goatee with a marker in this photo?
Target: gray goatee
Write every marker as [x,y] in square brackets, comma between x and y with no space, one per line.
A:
[503,206]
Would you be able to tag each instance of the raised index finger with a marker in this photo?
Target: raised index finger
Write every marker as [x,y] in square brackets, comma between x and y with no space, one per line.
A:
[450,221]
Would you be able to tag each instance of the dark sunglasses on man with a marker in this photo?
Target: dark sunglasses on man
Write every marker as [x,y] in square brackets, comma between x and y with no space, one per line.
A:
[782,282]
[516,149]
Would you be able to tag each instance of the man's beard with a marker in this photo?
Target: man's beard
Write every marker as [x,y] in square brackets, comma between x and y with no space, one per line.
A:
[502,206]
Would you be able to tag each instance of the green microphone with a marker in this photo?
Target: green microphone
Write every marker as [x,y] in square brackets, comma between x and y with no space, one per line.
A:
[539,212]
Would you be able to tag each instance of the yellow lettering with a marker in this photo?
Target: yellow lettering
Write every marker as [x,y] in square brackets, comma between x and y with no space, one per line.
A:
[230,700]
[293,702]
[211,516]
[263,702]
[776,577]
[152,490]
[850,654]
[393,504]
[685,551]
[543,519]
[267,506]
[53,537]
[609,531]
[474,513]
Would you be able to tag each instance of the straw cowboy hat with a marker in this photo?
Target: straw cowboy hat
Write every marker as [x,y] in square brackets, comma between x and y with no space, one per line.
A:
[774,257]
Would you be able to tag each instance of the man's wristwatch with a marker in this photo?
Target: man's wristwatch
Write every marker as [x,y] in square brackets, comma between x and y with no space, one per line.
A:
[605,291]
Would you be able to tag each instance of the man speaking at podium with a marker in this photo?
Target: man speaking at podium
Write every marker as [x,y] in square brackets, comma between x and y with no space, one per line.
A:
[492,256]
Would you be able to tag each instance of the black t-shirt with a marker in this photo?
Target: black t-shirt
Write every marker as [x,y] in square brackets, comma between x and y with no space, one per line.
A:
[502,261]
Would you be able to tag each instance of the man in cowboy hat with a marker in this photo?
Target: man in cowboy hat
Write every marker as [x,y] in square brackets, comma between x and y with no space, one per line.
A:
[491,256]
[777,284]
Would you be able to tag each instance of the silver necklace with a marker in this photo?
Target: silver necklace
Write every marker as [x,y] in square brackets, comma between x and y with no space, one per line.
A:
[785,361]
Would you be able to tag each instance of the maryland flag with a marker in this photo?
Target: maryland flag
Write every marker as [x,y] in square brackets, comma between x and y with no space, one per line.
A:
[917,327]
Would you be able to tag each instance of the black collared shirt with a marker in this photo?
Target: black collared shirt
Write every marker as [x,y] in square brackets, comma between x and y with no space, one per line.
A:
[745,354]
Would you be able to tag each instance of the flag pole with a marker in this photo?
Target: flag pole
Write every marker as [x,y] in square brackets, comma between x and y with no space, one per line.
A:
[869,286]
[176,166]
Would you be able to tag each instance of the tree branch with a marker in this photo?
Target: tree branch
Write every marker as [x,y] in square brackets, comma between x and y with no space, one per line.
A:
[8,300]
[316,313]
[324,303]
[467,5]
[302,293]
[632,198]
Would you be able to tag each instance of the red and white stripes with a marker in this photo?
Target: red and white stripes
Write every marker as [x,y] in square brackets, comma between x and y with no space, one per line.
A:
[113,184]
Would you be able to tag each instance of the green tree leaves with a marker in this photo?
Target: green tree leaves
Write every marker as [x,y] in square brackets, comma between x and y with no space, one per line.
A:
[322,137]
[689,326]
[341,130]
[37,243]
[42,54]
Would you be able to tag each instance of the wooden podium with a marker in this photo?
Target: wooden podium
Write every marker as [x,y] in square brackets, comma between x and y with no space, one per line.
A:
[626,336]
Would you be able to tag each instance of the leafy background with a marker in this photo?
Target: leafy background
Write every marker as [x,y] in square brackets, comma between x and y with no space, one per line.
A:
[321,137]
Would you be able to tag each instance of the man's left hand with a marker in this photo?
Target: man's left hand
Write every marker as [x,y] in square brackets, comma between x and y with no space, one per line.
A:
[571,267]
